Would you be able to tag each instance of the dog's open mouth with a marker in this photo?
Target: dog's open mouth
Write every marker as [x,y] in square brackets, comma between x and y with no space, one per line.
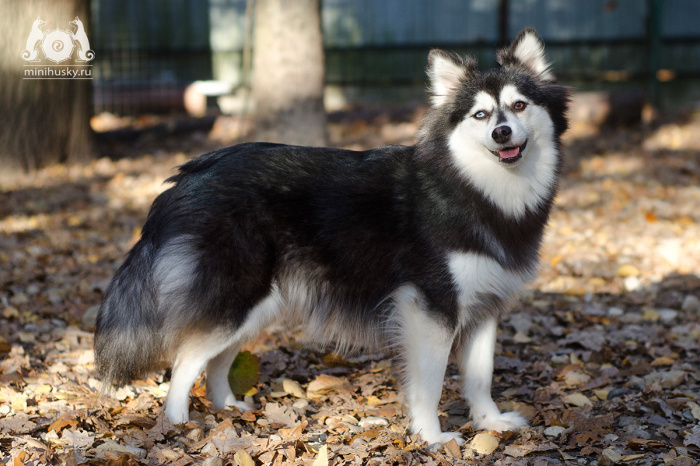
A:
[510,154]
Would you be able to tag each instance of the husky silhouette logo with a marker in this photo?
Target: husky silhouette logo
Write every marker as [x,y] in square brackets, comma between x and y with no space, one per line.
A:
[58,45]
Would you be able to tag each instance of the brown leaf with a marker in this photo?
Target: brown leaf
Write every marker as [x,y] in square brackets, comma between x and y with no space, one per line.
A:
[453,450]
[279,414]
[325,383]
[524,450]
[63,422]
[145,422]
[291,434]
[335,360]
[248,416]
[368,434]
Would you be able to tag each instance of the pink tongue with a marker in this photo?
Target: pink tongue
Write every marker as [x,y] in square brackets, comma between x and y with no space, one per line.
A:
[509,153]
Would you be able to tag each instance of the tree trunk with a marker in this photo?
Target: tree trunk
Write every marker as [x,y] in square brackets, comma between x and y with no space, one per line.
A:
[44,121]
[288,72]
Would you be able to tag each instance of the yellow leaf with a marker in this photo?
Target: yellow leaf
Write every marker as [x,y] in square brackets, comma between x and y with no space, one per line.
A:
[627,270]
[662,361]
[484,443]
[555,260]
[322,457]
[325,383]
[242,458]
[577,399]
[170,454]
[40,389]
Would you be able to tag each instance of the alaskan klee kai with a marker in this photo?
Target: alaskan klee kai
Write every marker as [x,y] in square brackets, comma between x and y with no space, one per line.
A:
[418,249]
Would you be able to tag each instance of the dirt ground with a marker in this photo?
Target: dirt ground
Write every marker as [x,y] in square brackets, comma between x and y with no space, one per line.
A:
[601,354]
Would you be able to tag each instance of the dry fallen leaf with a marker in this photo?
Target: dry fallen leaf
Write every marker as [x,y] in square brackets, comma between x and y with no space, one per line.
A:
[484,443]
[577,399]
[65,421]
[324,383]
[242,458]
[322,457]
[453,449]
[611,317]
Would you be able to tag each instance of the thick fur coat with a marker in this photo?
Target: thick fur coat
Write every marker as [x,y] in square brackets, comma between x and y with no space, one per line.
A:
[417,249]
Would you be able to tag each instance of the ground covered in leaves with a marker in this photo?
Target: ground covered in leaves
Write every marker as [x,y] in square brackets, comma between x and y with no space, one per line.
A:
[601,355]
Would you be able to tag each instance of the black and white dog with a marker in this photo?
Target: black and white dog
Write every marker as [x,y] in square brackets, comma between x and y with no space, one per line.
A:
[419,248]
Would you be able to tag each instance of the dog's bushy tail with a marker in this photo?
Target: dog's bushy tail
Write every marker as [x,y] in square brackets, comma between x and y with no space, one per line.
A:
[128,337]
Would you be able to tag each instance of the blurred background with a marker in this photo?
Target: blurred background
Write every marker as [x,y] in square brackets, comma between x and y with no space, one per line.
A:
[191,66]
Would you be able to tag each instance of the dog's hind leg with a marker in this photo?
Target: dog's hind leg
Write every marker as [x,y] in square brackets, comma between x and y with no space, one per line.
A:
[192,356]
[218,387]
[215,351]
[475,354]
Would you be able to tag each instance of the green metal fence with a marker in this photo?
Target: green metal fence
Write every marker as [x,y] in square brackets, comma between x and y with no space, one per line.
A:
[148,50]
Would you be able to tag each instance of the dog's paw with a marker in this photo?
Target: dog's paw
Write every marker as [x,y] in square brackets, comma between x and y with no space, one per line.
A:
[227,402]
[241,405]
[177,416]
[442,437]
[501,422]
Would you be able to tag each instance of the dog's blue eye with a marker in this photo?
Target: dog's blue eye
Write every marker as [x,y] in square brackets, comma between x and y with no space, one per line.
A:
[480,115]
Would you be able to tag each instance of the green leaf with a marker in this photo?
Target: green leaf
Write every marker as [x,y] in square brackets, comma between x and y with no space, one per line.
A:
[244,372]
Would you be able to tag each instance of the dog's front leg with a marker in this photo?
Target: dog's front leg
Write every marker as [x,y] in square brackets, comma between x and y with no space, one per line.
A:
[426,348]
[475,354]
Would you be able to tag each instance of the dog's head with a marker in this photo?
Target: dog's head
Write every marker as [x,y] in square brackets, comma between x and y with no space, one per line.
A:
[509,117]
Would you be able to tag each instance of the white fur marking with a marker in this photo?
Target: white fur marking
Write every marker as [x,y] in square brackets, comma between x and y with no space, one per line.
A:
[173,270]
[530,51]
[476,366]
[192,356]
[483,101]
[475,274]
[194,353]
[512,189]
[218,388]
[426,346]
[445,77]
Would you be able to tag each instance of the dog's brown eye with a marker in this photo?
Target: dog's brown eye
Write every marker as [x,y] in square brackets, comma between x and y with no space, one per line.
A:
[519,106]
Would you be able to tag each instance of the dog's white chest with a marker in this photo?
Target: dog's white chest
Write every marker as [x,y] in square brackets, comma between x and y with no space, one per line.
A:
[476,275]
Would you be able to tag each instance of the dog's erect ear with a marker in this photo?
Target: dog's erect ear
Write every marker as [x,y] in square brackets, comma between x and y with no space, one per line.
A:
[527,51]
[446,71]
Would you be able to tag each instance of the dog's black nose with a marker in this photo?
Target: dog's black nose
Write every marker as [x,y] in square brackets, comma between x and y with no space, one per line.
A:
[501,134]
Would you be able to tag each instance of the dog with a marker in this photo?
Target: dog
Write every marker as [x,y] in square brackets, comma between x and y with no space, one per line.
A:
[417,248]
